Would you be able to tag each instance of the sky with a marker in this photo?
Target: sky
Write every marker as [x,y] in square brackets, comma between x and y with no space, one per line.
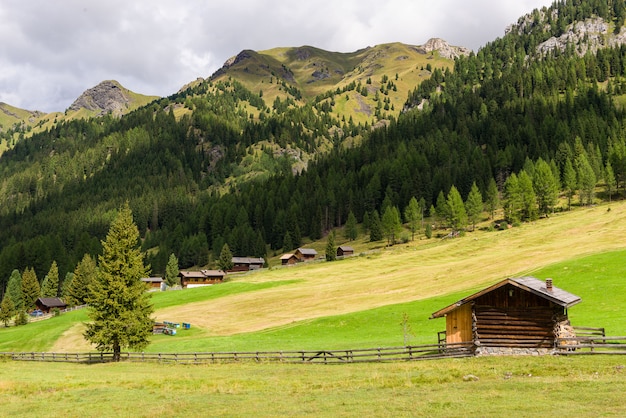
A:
[52,51]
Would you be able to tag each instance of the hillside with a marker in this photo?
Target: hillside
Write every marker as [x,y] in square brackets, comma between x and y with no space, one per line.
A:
[219,163]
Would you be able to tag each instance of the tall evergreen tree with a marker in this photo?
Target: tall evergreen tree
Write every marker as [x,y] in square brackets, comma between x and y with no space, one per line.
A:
[85,274]
[376,231]
[391,224]
[474,205]
[30,288]
[14,289]
[171,271]
[412,216]
[7,309]
[331,251]
[120,308]
[546,187]
[351,230]
[570,182]
[492,198]
[225,262]
[457,216]
[609,180]
[50,285]
[586,180]
[512,199]
[528,196]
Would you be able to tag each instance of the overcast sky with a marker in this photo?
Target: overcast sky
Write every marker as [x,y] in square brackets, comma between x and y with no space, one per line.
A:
[52,51]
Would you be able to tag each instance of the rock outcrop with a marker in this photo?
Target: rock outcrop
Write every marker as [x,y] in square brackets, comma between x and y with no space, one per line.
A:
[107,97]
[586,36]
[445,49]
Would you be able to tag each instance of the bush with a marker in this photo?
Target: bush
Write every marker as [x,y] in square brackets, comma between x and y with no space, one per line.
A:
[21,318]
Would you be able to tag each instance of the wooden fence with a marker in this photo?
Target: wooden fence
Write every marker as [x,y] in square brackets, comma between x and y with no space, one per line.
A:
[591,345]
[368,355]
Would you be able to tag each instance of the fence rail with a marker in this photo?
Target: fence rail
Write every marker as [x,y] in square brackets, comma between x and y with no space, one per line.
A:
[591,345]
[370,355]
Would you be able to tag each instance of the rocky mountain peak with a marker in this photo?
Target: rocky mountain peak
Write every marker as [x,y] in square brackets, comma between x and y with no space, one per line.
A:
[108,96]
[445,49]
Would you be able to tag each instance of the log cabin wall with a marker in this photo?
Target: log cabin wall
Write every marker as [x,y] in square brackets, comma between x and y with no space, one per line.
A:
[512,317]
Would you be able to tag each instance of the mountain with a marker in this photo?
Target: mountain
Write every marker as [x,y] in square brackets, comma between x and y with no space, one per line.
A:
[108,97]
[357,83]
[262,156]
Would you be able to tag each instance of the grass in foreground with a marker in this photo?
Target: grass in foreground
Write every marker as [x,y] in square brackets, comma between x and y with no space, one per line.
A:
[506,386]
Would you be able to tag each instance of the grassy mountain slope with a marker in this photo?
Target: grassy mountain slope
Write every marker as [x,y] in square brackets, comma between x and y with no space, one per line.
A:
[307,74]
[360,301]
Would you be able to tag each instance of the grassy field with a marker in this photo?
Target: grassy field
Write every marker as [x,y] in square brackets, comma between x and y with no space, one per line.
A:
[486,387]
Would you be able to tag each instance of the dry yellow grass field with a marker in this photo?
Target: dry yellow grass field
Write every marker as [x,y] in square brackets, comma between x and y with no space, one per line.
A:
[408,272]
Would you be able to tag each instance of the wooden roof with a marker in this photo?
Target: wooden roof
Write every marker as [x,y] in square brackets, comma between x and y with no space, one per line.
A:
[52,302]
[248,260]
[346,248]
[307,251]
[152,279]
[287,256]
[202,274]
[529,284]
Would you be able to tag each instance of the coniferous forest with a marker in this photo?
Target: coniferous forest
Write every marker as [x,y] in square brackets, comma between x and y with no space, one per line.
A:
[200,168]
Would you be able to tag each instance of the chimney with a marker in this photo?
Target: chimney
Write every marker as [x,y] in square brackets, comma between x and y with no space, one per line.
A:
[549,285]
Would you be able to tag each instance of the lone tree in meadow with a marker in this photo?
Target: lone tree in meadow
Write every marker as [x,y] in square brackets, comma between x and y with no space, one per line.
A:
[120,307]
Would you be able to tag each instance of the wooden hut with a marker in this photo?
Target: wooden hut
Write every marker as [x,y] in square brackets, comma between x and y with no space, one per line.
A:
[288,259]
[154,282]
[45,305]
[247,263]
[189,279]
[522,312]
[305,254]
[345,251]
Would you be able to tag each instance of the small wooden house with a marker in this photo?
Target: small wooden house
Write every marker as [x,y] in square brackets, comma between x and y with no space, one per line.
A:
[247,263]
[288,259]
[45,305]
[516,312]
[154,282]
[345,251]
[305,254]
[190,279]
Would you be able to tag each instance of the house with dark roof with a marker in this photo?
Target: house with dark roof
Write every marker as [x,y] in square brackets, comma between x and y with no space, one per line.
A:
[517,312]
[47,304]
[247,263]
[288,259]
[190,279]
[305,254]
[345,251]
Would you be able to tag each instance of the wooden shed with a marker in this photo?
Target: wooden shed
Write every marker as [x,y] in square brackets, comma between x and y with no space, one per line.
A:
[345,251]
[189,279]
[247,263]
[516,312]
[154,282]
[288,259]
[45,305]
[305,254]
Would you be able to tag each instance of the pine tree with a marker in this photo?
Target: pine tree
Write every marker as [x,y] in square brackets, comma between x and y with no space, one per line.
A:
[546,187]
[120,307]
[331,251]
[14,289]
[391,224]
[412,216]
[493,197]
[50,285]
[457,216]
[609,180]
[30,288]
[474,205]
[171,271]
[225,262]
[7,309]
[376,232]
[85,274]
[351,229]
[569,182]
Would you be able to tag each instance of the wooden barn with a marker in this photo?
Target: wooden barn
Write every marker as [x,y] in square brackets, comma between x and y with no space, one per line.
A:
[189,279]
[305,254]
[522,312]
[288,259]
[345,251]
[247,263]
[154,283]
[45,305]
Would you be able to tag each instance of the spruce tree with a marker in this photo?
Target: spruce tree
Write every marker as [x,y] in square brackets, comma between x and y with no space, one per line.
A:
[120,307]
[85,274]
[225,262]
[457,216]
[30,288]
[50,285]
[331,254]
[171,271]
[376,232]
[474,205]
[351,229]
[493,197]
[412,216]
[14,289]
[7,309]
[569,182]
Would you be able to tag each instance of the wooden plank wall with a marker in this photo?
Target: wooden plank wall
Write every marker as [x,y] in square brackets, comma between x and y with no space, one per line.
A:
[514,326]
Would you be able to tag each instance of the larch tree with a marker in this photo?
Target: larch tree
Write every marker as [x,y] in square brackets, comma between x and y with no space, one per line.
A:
[492,198]
[30,288]
[610,183]
[457,216]
[171,271]
[120,308]
[225,262]
[7,309]
[50,284]
[474,205]
[546,187]
[570,183]
[85,274]
[412,215]
[14,289]
[351,229]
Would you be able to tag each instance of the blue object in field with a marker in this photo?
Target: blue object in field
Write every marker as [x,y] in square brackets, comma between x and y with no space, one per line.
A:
[186,325]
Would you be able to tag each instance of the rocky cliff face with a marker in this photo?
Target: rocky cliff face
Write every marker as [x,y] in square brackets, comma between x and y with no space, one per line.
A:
[445,49]
[108,96]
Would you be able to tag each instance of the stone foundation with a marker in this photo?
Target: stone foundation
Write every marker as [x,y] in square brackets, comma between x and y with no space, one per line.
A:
[512,351]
